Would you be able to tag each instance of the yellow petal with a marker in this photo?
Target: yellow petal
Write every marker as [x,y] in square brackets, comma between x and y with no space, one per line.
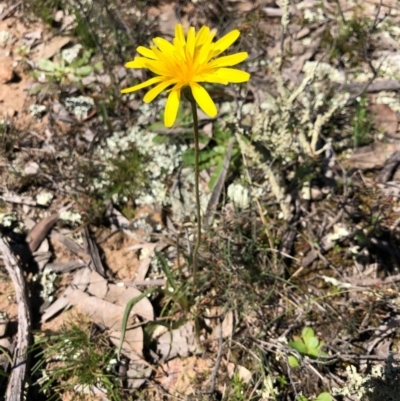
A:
[191,41]
[233,75]
[202,35]
[230,60]
[203,99]
[137,62]
[204,53]
[223,43]
[165,59]
[157,67]
[144,51]
[172,106]
[179,35]
[154,92]
[149,82]
[165,46]
[213,78]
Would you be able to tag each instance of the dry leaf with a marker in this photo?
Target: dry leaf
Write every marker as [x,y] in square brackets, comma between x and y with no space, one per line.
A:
[121,295]
[243,373]
[224,328]
[81,281]
[227,327]
[48,49]
[390,188]
[40,230]
[137,374]
[100,311]
[179,342]
[372,156]
[132,346]
[384,118]
[167,19]
[98,286]
[176,376]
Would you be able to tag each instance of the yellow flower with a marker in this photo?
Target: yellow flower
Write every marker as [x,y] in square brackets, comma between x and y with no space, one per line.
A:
[186,62]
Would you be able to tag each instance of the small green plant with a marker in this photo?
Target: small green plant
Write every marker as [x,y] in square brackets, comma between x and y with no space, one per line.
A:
[120,179]
[321,397]
[238,389]
[76,361]
[213,154]
[308,345]
[361,122]
[64,71]
[351,40]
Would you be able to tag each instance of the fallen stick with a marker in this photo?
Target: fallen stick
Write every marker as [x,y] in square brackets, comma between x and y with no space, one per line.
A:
[16,384]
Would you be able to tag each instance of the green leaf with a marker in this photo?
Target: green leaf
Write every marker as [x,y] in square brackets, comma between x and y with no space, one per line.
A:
[311,342]
[293,361]
[188,157]
[83,71]
[46,65]
[159,139]
[215,175]
[324,397]
[128,309]
[298,346]
[98,66]
[220,149]
[167,270]
[307,333]
[301,397]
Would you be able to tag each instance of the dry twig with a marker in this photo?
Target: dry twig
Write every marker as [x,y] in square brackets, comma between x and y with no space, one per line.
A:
[16,384]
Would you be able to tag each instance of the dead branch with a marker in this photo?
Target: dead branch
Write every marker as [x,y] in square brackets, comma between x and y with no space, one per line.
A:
[16,385]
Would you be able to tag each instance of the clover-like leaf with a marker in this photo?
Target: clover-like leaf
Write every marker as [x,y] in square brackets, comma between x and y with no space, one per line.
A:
[293,361]
[311,342]
[307,333]
[298,346]
[324,397]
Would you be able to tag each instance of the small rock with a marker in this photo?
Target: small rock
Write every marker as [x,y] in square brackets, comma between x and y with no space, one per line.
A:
[31,168]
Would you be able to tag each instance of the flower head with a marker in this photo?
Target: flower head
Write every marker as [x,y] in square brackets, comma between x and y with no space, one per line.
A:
[184,63]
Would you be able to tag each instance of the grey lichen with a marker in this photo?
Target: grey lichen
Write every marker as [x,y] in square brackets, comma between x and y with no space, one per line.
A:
[383,383]
[289,125]
[79,105]
[46,279]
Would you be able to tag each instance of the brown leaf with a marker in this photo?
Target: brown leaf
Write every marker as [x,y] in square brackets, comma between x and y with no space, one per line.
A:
[121,295]
[179,342]
[49,48]
[81,281]
[225,329]
[98,285]
[372,156]
[132,346]
[242,372]
[40,230]
[100,311]
[177,375]
[384,118]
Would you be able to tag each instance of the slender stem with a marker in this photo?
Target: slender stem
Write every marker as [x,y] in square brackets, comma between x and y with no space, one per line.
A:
[197,189]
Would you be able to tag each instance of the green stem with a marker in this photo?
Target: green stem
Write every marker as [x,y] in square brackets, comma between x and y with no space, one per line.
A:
[197,189]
